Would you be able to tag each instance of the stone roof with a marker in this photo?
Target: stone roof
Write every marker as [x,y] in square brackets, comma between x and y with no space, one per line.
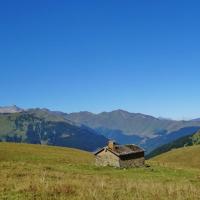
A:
[121,150]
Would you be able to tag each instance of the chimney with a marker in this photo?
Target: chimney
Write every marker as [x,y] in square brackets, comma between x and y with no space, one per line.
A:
[111,144]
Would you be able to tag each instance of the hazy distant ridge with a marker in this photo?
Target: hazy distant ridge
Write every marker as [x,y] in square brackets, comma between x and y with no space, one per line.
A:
[124,127]
[10,109]
[130,123]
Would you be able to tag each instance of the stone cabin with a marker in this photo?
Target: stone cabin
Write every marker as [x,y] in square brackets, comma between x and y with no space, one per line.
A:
[122,156]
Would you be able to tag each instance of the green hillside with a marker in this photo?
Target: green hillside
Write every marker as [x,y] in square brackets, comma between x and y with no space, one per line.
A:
[46,128]
[186,157]
[45,172]
[189,140]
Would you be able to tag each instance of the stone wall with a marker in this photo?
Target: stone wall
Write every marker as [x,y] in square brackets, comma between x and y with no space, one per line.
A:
[106,158]
[139,162]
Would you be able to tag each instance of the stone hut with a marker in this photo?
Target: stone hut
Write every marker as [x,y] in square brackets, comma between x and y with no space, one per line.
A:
[122,156]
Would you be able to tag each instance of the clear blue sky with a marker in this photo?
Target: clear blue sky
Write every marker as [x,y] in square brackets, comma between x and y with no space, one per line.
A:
[100,55]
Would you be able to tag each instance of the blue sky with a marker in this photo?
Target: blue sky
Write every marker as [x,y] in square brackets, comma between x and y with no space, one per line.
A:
[141,56]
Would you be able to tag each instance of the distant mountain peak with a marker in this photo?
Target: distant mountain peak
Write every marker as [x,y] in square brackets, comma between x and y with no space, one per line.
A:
[165,118]
[120,111]
[10,109]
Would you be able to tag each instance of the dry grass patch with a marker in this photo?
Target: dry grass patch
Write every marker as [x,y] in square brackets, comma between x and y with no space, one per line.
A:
[45,178]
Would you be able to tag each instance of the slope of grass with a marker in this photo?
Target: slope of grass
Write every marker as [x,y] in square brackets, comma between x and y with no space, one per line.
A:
[186,157]
[43,172]
[28,127]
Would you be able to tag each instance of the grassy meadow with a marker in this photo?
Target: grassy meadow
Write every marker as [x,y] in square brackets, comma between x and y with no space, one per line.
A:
[186,157]
[44,172]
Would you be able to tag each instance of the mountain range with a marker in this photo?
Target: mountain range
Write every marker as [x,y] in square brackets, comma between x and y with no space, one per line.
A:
[36,128]
[145,130]
[130,123]
[124,127]
[10,109]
